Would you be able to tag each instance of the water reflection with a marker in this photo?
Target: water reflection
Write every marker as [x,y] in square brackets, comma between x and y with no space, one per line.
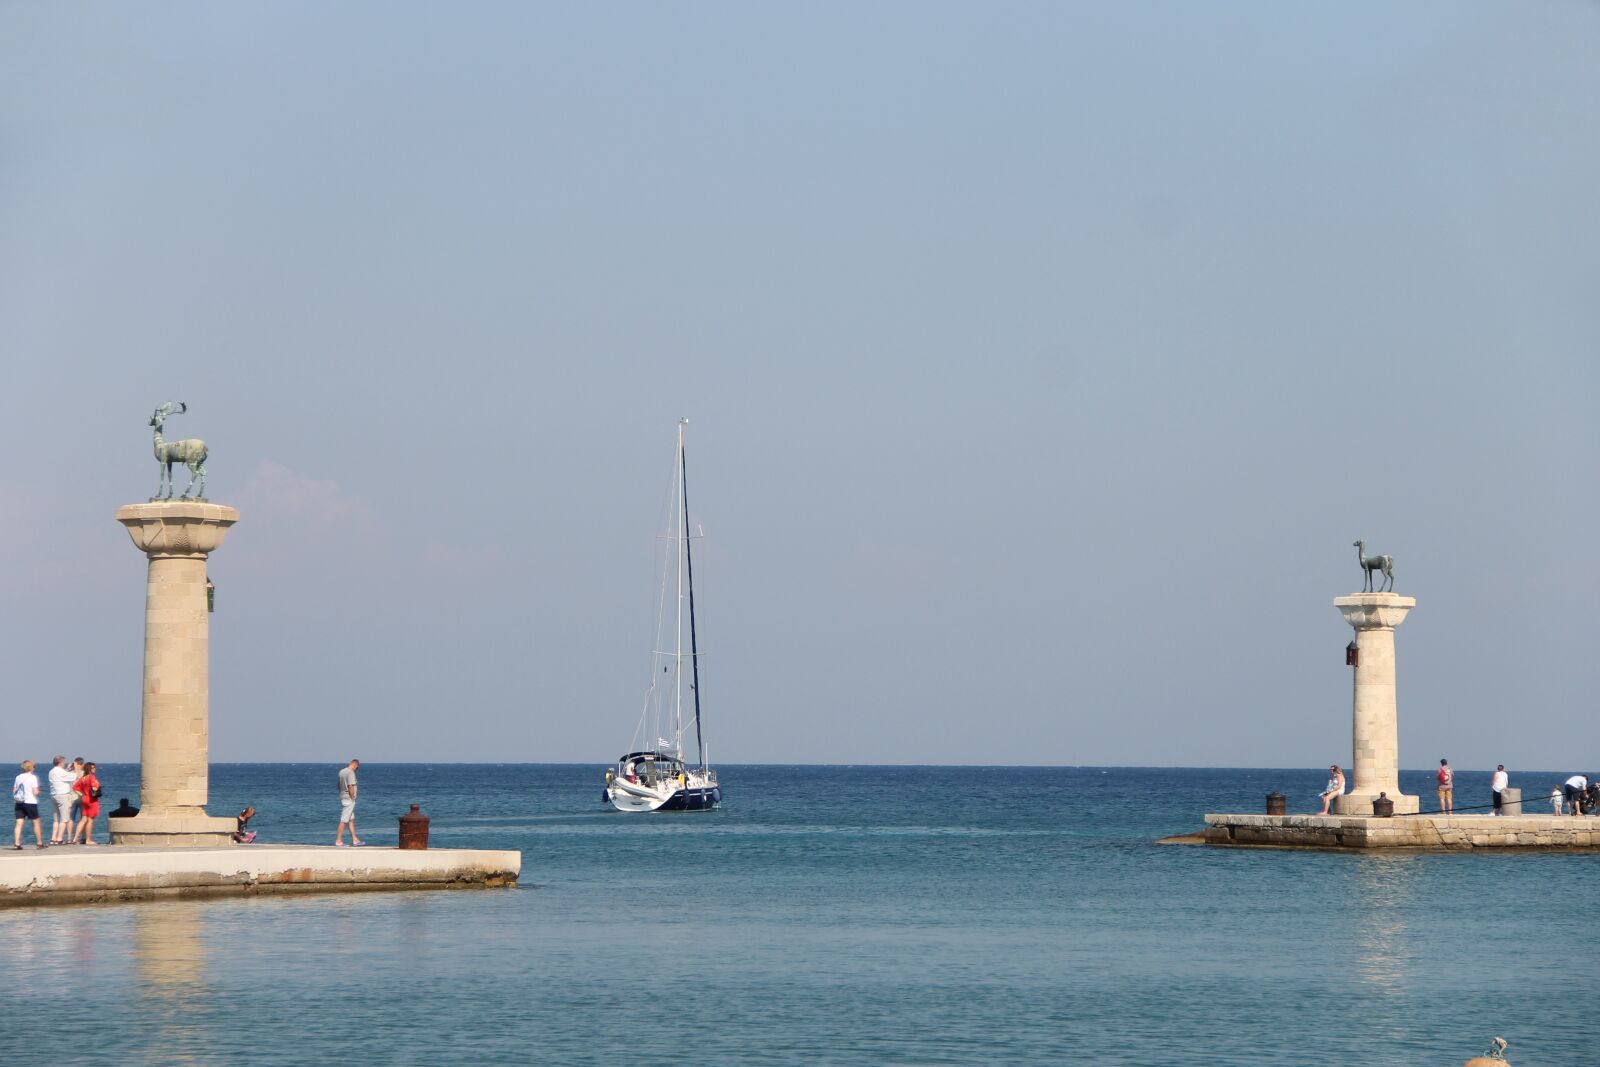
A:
[1385,886]
[170,976]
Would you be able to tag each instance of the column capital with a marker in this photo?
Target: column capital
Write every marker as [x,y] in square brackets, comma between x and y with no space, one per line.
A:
[1374,611]
[181,529]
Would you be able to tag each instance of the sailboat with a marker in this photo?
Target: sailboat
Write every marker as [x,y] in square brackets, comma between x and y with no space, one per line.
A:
[654,776]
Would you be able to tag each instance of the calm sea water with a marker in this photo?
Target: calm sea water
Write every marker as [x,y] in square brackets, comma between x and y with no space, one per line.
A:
[849,915]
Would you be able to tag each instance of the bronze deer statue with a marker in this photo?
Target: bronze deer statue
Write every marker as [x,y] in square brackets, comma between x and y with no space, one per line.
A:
[191,453]
[1375,563]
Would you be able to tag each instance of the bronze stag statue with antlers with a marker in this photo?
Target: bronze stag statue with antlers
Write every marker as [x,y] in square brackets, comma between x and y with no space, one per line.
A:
[191,453]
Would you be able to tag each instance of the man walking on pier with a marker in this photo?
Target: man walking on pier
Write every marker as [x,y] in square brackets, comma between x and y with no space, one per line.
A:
[1498,783]
[347,804]
[1447,783]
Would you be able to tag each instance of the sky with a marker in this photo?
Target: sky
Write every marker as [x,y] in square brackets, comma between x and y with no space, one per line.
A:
[1043,361]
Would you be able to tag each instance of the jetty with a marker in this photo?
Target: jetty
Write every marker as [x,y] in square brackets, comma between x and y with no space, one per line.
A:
[115,873]
[1417,832]
[173,847]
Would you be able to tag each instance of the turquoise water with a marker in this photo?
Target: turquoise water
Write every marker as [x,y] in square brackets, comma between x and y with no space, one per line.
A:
[902,915]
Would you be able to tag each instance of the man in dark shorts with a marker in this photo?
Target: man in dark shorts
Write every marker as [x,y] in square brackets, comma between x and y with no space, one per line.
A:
[1572,792]
[25,791]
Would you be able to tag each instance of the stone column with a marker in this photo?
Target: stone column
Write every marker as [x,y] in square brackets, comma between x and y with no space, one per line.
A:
[1375,762]
[174,758]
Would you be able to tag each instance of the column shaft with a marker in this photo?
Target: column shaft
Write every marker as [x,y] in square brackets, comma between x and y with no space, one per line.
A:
[1375,720]
[1375,759]
[175,734]
[174,742]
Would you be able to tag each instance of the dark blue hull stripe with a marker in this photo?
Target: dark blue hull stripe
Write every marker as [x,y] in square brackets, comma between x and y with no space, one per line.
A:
[693,800]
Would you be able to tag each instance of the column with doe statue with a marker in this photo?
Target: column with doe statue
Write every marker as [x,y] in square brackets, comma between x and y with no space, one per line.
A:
[176,537]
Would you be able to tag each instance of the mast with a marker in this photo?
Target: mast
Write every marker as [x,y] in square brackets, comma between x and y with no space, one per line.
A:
[688,559]
[677,648]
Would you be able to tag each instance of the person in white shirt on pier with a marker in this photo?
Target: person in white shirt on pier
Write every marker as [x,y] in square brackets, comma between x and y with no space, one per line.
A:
[62,797]
[1498,783]
[25,791]
[1573,791]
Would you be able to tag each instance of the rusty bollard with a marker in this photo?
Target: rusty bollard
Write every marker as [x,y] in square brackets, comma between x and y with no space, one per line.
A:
[1382,806]
[414,828]
[1277,804]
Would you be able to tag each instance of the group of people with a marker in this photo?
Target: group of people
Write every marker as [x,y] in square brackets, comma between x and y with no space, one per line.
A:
[74,801]
[1578,795]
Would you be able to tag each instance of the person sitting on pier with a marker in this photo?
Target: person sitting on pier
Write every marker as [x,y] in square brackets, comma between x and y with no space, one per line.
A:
[243,834]
[123,810]
[1335,788]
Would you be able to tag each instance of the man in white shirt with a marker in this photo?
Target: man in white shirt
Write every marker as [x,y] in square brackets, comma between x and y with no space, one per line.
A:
[25,791]
[61,795]
[1498,783]
[1573,791]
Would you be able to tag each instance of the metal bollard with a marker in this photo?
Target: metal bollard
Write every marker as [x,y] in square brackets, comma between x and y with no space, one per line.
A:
[414,829]
[1277,804]
[1382,806]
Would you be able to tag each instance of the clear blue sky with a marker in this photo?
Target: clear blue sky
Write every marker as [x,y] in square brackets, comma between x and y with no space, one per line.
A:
[1044,360]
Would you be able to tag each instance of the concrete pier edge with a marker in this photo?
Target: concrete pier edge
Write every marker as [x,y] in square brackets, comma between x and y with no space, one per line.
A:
[1452,833]
[119,873]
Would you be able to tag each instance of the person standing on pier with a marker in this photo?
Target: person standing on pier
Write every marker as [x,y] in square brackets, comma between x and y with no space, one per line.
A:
[347,804]
[88,790]
[1447,786]
[25,791]
[1498,783]
[62,797]
[75,768]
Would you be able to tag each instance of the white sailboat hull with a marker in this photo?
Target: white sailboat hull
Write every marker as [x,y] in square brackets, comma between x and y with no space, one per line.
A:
[695,792]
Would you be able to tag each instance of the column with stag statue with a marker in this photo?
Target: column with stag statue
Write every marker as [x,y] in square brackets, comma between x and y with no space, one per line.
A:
[1375,762]
[176,536]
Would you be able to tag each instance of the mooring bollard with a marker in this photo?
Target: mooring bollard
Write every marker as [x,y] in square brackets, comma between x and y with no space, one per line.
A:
[414,829]
[1382,806]
[1277,804]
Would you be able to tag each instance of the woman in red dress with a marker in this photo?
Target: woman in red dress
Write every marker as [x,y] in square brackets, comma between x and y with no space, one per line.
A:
[87,787]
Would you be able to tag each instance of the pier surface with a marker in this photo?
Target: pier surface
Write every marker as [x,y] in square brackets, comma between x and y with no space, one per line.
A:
[85,875]
[1449,832]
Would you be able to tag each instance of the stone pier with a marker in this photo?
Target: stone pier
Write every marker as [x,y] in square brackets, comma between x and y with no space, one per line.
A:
[174,768]
[108,875]
[1459,833]
[1375,760]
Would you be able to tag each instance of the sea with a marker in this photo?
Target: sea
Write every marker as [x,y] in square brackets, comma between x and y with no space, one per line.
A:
[830,915]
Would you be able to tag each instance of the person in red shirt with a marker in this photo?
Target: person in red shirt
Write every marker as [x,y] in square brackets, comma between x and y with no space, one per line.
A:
[1447,783]
[87,787]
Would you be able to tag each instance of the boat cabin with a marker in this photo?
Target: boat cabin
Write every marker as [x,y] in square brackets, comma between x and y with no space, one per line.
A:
[649,768]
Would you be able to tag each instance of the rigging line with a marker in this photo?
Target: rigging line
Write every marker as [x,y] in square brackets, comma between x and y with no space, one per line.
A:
[688,555]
